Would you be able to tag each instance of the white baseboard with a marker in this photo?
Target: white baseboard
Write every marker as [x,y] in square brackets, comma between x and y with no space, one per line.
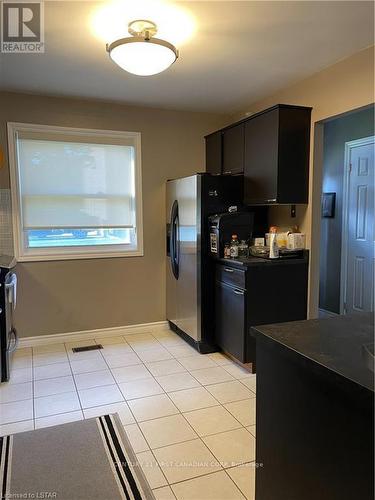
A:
[90,334]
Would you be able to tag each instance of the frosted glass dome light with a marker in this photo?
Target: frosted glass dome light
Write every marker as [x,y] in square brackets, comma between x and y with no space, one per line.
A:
[141,54]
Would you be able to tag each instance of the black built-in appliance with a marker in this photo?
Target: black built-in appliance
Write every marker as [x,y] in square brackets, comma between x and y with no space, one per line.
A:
[223,226]
[8,334]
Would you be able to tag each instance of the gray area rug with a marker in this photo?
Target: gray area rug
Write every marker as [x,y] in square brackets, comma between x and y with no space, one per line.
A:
[85,460]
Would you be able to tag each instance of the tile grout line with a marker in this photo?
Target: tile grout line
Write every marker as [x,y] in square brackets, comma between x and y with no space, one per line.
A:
[151,376]
[167,394]
[152,453]
[167,486]
[143,363]
[233,481]
[243,425]
[235,484]
[144,437]
[198,437]
[72,375]
[74,381]
[201,439]
[33,387]
[141,397]
[194,439]
[32,398]
[208,474]
[58,414]
[114,378]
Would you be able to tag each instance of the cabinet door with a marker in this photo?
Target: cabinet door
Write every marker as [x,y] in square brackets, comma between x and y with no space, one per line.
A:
[233,150]
[261,158]
[230,310]
[277,292]
[230,275]
[214,153]
[294,153]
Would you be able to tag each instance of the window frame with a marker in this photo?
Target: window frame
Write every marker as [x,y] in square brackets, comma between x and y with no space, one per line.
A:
[25,254]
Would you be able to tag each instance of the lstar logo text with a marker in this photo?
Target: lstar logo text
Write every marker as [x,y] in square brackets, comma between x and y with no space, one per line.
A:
[22,27]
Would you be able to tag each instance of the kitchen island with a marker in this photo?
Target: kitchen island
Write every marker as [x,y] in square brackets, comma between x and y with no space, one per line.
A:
[315,400]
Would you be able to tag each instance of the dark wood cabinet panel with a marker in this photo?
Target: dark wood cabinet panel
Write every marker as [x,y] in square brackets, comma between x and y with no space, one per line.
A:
[271,149]
[314,408]
[231,276]
[233,150]
[261,158]
[277,292]
[294,155]
[258,294]
[276,163]
[230,304]
[214,153]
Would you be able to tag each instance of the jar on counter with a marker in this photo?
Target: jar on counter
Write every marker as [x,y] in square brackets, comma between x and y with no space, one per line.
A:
[234,247]
[226,251]
[243,249]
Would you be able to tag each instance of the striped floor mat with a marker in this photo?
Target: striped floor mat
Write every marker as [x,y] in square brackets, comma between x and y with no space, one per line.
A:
[86,460]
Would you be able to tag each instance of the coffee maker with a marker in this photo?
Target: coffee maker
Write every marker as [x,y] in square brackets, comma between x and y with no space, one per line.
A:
[222,226]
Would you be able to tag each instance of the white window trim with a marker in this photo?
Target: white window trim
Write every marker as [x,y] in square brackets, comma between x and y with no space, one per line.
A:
[70,253]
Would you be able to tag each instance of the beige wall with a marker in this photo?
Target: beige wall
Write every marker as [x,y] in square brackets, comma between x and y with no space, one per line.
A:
[63,296]
[88,294]
[338,89]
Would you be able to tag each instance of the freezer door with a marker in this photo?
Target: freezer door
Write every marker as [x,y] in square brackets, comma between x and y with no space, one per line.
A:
[182,265]
[171,280]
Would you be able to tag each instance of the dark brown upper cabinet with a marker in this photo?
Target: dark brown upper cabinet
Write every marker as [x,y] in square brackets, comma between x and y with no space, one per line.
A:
[214,158]
[276,156]
[233,149]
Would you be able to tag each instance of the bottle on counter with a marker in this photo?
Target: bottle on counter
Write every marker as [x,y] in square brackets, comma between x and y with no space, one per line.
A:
[243,249]
[274,248]
[226,251]
[234,247]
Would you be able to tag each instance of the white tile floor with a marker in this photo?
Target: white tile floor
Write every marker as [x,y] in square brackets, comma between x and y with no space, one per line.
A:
[189,417]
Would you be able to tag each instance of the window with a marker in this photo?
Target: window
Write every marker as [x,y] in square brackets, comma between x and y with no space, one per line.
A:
[76,193]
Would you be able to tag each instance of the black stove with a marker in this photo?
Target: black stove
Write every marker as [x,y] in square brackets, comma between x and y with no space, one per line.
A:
[8,297]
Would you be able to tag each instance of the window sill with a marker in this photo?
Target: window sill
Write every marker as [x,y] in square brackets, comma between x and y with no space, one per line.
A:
[79,256]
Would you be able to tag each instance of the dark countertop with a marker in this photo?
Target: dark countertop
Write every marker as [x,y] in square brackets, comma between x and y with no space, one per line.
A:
[243,262]
[335,344]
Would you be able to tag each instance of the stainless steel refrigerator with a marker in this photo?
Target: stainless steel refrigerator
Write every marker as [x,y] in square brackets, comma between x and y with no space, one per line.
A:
[190,200]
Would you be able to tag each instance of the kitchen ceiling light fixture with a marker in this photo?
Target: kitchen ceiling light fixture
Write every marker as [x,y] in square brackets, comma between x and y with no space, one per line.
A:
[141,54]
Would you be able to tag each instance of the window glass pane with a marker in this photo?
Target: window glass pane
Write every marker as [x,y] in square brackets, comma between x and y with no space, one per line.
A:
[49,238]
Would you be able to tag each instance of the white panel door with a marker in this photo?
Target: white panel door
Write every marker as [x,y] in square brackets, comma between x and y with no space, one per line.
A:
[359,296]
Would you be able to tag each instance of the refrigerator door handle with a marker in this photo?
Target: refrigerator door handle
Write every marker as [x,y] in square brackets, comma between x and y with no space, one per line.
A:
[174,243]
[178,243]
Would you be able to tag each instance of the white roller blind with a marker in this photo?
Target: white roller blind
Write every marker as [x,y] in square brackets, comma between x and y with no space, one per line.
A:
[67,184]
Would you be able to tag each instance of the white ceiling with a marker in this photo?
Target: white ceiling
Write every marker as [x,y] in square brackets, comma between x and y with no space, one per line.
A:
[241,51]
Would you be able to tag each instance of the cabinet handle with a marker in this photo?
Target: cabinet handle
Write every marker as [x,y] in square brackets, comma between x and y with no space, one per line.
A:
[238,292]
[271,200]
[227,172]
[228,270]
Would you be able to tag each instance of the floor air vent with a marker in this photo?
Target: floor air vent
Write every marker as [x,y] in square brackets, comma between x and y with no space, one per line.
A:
[87,348]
